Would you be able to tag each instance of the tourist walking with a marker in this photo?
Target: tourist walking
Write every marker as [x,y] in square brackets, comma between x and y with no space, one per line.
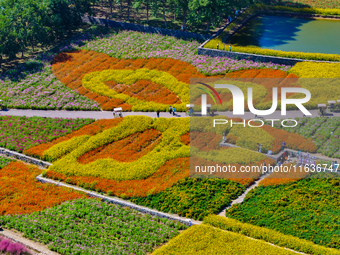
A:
[157,113]
[283,145]
[170,109]
[173,111]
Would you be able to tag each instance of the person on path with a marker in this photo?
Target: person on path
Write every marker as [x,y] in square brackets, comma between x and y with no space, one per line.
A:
[283,145]
[120,115]
[170,109]
[114,114]
[173,111]
[157,113]
[229,47]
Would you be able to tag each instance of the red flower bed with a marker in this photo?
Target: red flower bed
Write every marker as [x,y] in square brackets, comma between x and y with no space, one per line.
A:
[268,78]
[279,178]
[92,129]
[293,140]
[185,138]
[167,175]
[206,141]
[128,149]
[244,178]
[146,90]
[20,193]
[71,67]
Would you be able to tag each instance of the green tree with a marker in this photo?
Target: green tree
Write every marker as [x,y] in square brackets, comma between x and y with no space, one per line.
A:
[146,3]
[9,44]
[182,7]
[213,11]
[160,4]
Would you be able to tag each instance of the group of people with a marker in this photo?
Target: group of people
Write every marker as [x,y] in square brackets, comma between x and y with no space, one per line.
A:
[172,110]
[190,111]
[117,114]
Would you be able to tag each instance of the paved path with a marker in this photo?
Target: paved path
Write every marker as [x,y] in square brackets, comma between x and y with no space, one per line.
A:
[109,115]
[240,199]
[121,202]
[82,114]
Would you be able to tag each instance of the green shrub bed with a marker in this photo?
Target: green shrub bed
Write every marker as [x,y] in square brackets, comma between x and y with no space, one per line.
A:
[308,209]
[194,198]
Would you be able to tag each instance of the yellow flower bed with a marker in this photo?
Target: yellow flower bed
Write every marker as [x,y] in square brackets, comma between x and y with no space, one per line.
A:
[316,70]
[169,148]
[269,235]
[60,149]
[248,137]
[204,239]
[95,82]
[230,156]
[305,10]
[285,54]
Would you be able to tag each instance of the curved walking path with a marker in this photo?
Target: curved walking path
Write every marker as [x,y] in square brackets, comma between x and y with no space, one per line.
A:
[108,114]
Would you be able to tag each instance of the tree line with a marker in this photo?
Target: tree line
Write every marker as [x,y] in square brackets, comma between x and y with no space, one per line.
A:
[194,12]
[28,23]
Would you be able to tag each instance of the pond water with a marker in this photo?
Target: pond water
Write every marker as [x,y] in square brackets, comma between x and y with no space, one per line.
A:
[290,34]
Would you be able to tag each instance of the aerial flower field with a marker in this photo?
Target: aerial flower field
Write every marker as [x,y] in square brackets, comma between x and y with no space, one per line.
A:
[33,86]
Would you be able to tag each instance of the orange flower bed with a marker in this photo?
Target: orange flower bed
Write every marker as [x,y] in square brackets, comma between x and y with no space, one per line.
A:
[20,193]
[206,141]
[146,90]
[293,140]
[185,138]
[167,175]
[92,129]
[71,67]
[265,77]
[128,149]
[279,178]
[244,178]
